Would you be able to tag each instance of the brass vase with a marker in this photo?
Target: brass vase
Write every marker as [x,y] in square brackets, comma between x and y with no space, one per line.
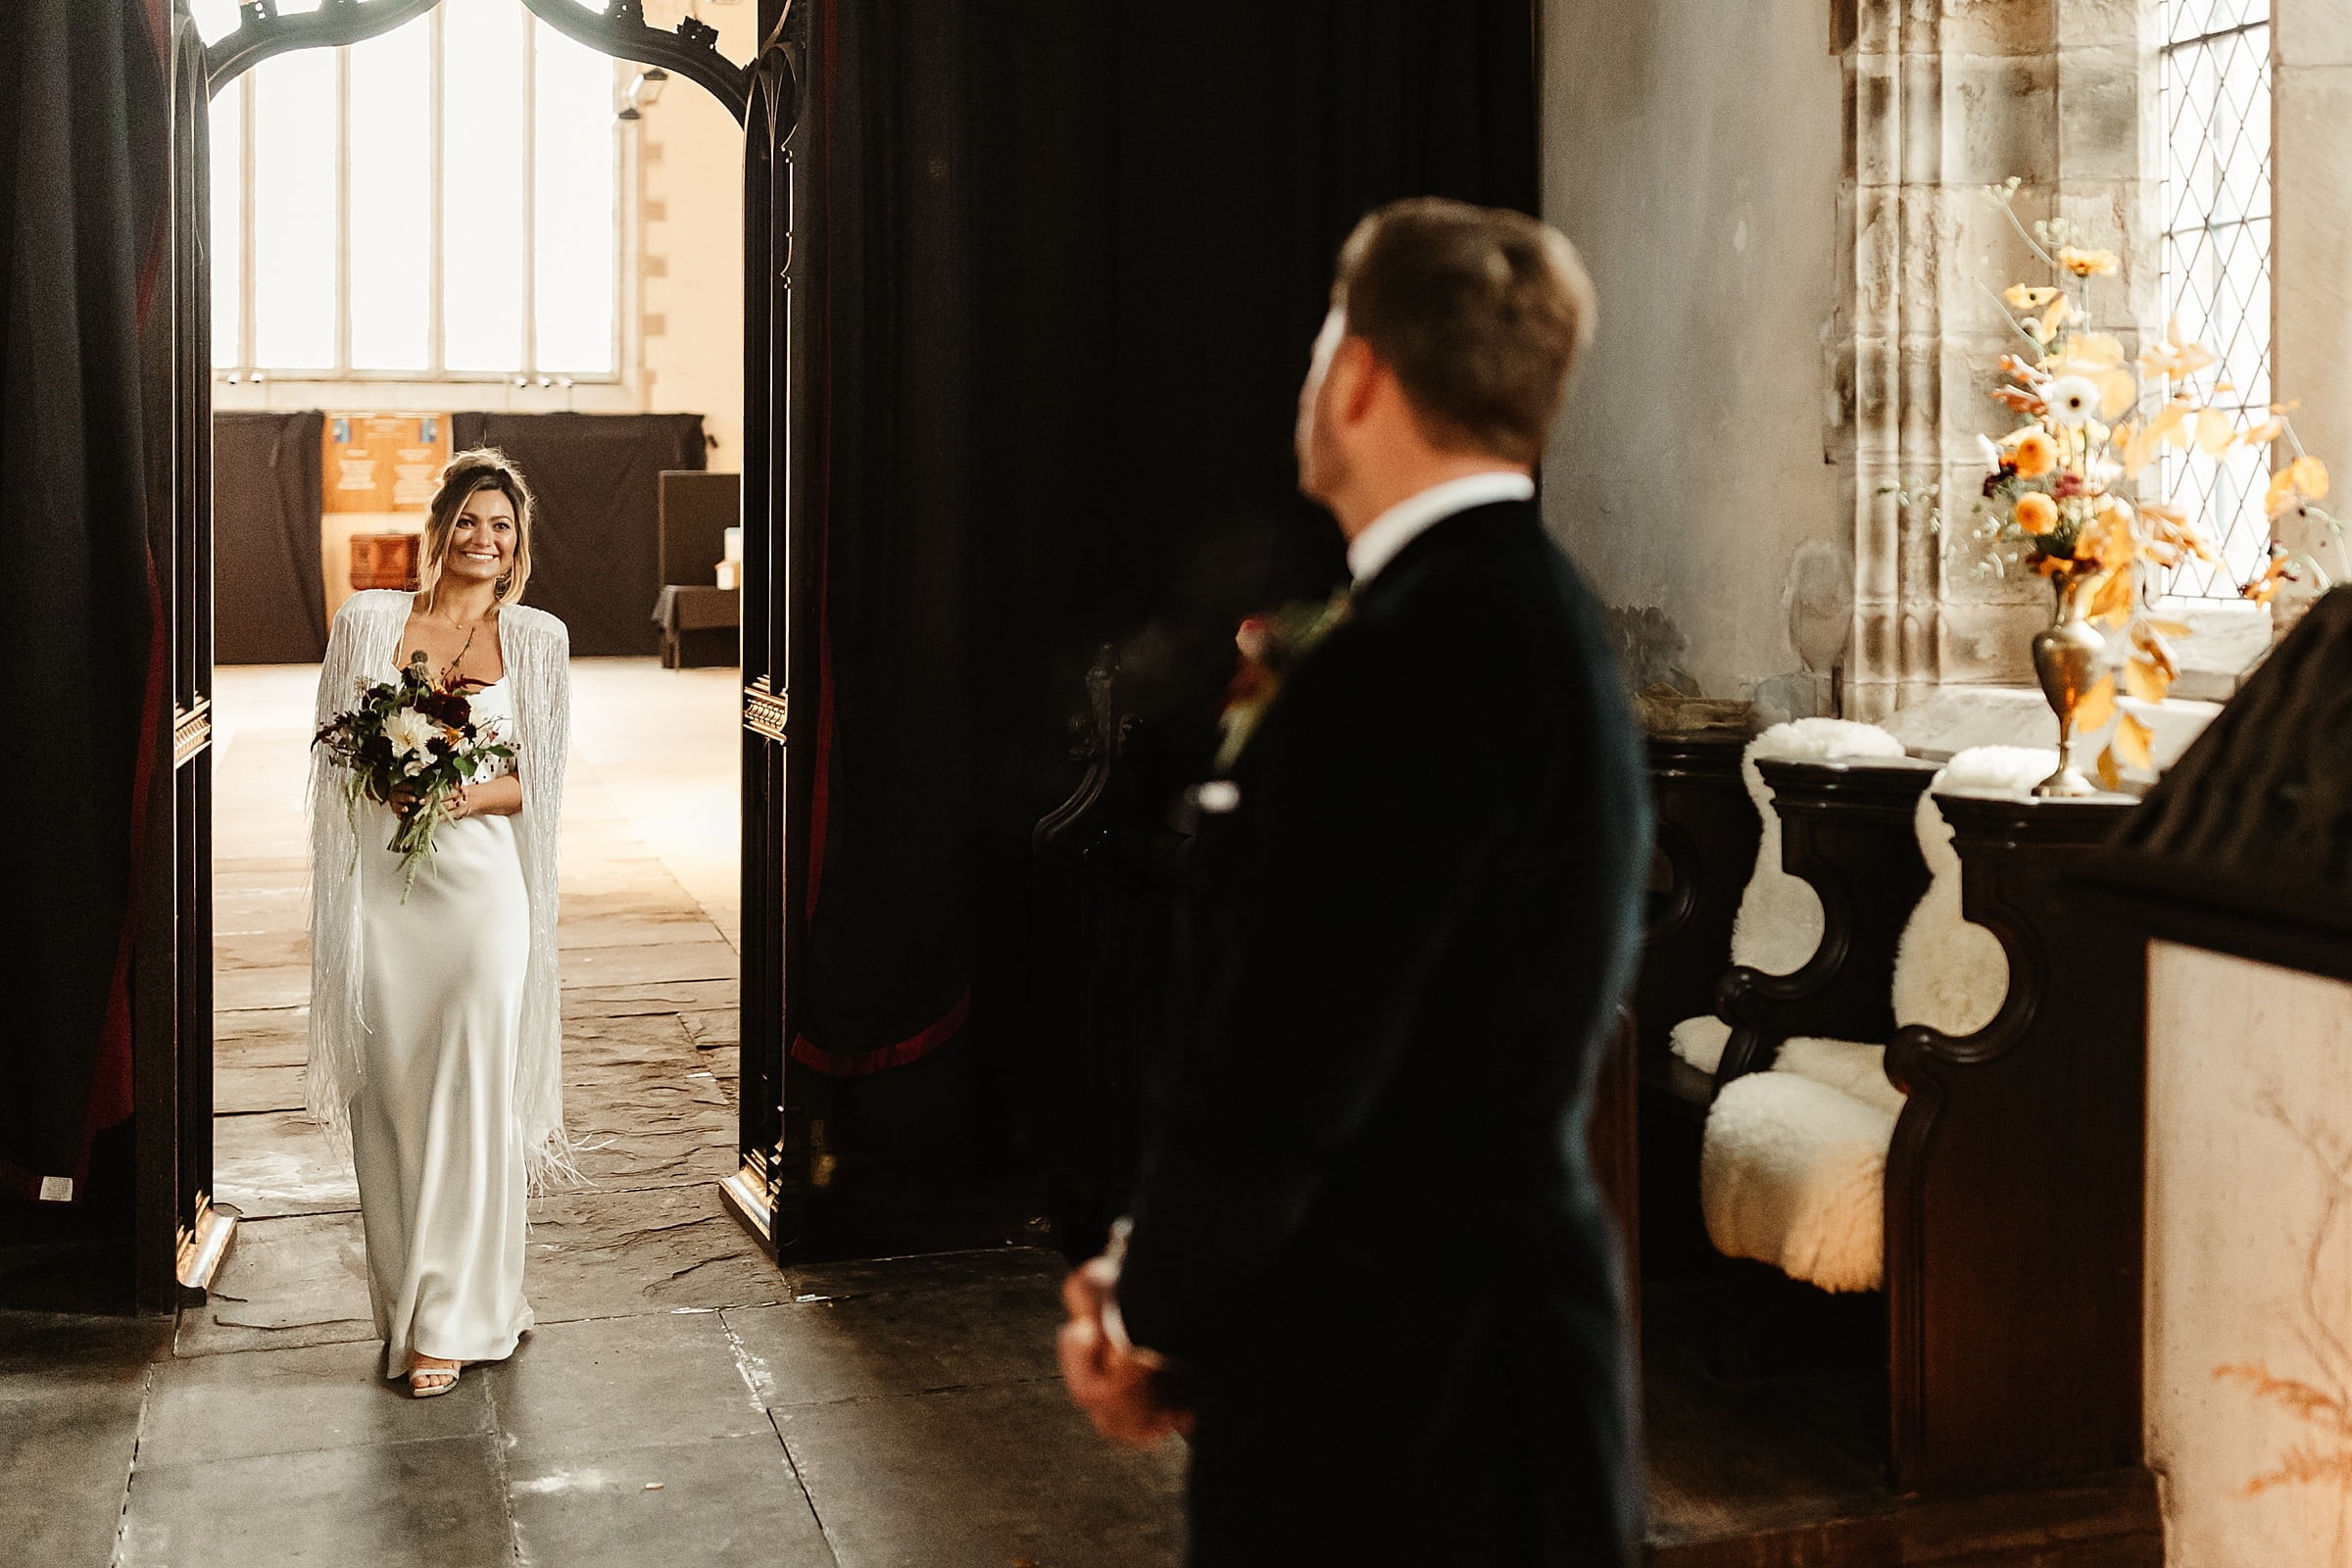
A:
[2067,660]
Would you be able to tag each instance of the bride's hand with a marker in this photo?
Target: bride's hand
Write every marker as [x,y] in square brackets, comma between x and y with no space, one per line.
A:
[454,807]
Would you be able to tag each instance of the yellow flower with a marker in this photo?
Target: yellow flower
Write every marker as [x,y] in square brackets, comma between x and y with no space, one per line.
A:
[2109,540]
[2175,357]
[2304,479]
[2021,298]
[2037,514]
[2033,452]
[2088,264]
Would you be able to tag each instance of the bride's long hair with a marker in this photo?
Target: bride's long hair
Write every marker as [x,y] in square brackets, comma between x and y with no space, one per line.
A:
[467,474]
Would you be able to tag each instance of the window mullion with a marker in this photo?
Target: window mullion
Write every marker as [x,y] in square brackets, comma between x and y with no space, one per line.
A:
[343,300]
[248,340]
[530,195]
[437,236]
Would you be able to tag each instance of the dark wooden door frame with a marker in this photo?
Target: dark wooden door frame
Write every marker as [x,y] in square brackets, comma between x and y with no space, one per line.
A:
[179,1235]
[780,291]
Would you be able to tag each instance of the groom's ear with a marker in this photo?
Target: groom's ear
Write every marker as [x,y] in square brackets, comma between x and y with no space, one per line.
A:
[1354,379]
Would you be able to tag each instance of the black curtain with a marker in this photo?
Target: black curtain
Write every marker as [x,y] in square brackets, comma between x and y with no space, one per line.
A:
[596,532]
[269,591]
[84,129]
[1074,258]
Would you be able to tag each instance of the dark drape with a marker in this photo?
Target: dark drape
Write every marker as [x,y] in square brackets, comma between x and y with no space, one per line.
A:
[85,111]
[268,595]
[596,534]
[1073,258]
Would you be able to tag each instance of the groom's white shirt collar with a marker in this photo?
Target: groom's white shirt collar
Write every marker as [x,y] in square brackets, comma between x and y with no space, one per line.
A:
[1408,519]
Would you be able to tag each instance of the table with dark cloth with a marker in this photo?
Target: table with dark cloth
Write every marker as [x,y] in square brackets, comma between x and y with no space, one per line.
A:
[700,625]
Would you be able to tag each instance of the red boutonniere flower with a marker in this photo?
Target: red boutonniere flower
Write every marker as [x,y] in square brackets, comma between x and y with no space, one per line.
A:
[1271,647]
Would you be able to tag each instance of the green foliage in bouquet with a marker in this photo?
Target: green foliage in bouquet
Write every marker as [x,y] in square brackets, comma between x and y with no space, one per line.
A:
[414,733]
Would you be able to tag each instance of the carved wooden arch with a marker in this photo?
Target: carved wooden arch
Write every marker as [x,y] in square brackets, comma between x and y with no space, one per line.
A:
[619,31]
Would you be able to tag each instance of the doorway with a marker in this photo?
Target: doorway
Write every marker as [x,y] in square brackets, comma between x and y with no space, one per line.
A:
[225,764]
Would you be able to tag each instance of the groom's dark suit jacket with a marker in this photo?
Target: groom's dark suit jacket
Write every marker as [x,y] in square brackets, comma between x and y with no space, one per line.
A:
[1369,1227]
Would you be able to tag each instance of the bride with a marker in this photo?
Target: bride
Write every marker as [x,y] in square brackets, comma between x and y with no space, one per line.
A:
[434,1025]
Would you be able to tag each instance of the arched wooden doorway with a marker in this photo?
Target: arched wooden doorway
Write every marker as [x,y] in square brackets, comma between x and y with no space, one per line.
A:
[181,1237]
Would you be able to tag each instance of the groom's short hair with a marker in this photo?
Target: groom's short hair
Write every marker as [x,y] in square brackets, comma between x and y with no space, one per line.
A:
[1479,310]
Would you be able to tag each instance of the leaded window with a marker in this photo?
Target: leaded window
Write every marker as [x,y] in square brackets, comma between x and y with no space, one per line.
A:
[2216,259]
[441,201]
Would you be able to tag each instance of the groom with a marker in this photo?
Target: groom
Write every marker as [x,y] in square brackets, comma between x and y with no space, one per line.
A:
[1369,1271]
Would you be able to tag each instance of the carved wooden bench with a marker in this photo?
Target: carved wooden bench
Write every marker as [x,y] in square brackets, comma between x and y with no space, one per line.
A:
[1848,830]
[1707,847]
[2009,1317]
[2015,1184]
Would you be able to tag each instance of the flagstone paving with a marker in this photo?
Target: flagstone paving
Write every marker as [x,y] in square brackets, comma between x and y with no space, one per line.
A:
[682,1399]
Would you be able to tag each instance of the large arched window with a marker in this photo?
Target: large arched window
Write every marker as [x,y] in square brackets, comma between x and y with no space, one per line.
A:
[441,202]
[2216,262]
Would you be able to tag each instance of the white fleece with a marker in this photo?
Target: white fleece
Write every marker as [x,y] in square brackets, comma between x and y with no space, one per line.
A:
[1778,923]
[1793,1170]
[1792,1174]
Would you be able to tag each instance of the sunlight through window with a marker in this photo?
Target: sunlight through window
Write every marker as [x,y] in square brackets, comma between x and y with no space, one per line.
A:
[294,250]
[442,200]
[391,174]
[229,225]
[483,94]
[573,206]
[2216,262]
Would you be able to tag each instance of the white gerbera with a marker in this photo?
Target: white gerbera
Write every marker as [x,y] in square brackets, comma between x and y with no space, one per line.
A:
[410,732]
[2072,400]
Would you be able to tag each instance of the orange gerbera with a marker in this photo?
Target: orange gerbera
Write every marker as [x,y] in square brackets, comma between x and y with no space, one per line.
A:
[2036,512]
[2034,452]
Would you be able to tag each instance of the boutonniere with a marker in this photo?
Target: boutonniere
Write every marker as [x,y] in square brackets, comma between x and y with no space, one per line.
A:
[1271,647]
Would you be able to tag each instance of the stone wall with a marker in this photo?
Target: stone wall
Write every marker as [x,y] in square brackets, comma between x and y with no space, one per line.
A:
[1692,151]
[690,242]
[1771,461]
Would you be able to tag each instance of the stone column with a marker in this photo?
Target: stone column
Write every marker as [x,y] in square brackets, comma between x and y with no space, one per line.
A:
[1942,102]
[2311,243]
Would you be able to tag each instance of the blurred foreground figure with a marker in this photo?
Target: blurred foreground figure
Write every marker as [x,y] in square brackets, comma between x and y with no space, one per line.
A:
[1369,1272]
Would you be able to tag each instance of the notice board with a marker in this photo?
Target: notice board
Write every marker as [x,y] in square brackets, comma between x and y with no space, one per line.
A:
[382,462]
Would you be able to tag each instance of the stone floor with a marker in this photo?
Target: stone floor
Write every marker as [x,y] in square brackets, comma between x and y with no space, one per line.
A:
[682,1399]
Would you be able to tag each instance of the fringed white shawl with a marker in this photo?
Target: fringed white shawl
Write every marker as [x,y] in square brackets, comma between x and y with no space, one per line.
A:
[364,647]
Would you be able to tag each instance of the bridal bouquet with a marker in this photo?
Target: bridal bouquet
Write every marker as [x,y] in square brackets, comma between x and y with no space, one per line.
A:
[2063,497]
[414,733]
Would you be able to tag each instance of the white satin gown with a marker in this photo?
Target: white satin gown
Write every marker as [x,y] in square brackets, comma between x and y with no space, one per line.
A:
[442,1183]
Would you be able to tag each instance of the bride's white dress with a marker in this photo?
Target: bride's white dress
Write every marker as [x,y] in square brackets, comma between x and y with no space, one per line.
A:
[442,1183]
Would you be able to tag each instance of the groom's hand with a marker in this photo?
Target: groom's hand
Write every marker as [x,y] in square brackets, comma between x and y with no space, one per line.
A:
[1120,1389]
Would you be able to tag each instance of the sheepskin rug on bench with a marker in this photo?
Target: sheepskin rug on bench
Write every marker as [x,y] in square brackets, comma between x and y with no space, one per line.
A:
[1779,923]
[1792,1171]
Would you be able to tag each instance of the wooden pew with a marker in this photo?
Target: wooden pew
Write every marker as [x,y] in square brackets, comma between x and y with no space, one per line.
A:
[1707,850]
[2015,1184]
[1996,1377]
[1847,829]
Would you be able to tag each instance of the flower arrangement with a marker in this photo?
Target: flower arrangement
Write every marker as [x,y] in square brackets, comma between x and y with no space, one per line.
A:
[2062,495]
[413,735]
